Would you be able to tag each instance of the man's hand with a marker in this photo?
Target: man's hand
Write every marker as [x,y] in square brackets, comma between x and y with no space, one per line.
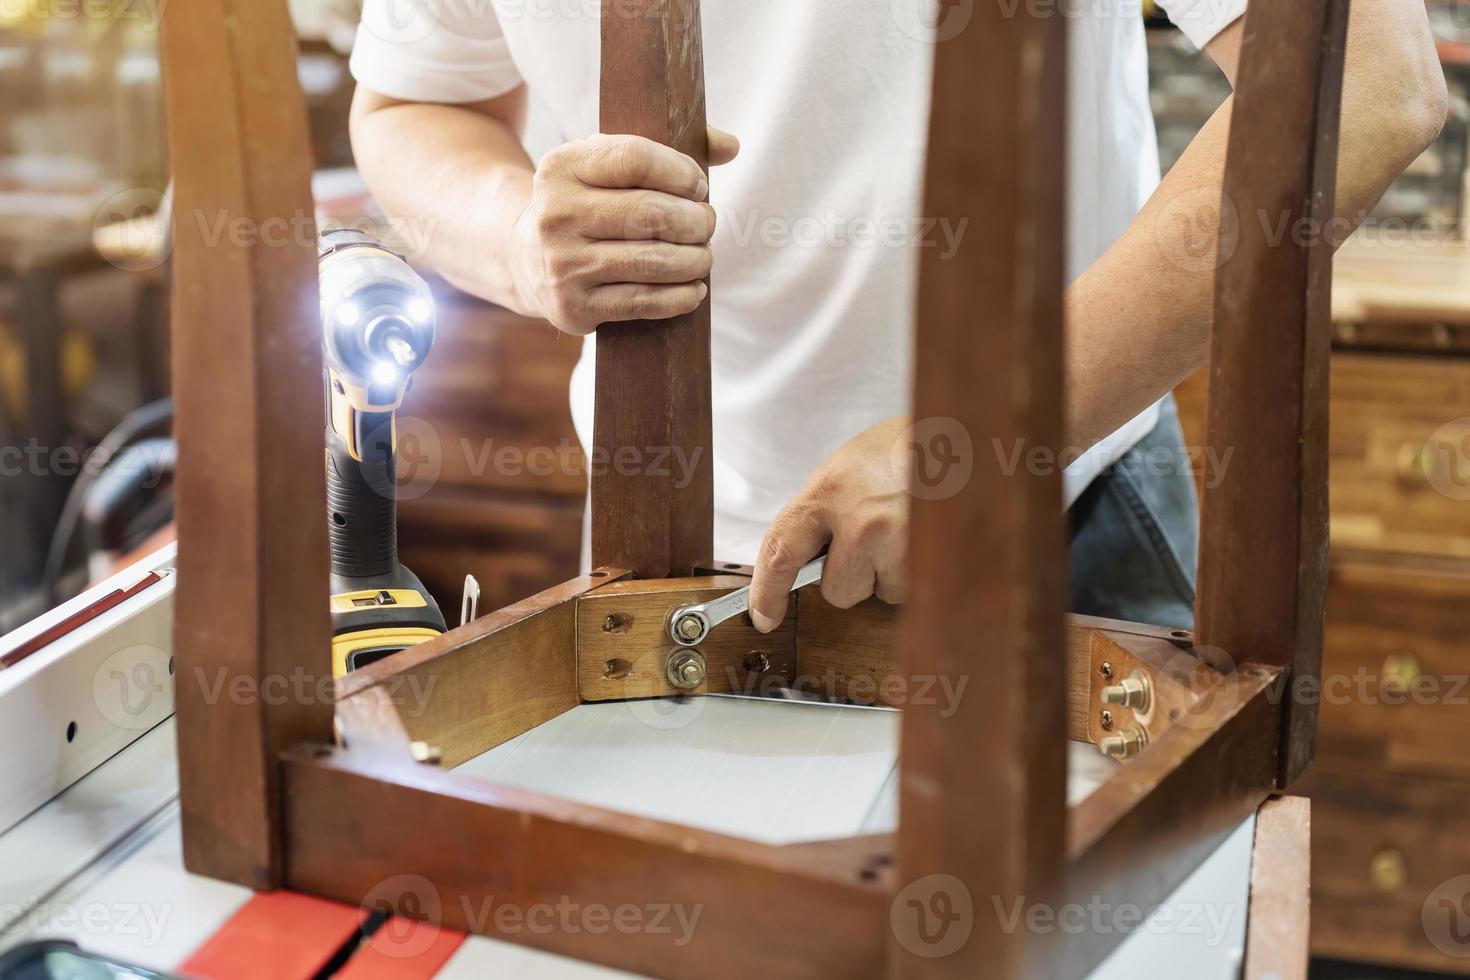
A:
[617,229]
[857,505]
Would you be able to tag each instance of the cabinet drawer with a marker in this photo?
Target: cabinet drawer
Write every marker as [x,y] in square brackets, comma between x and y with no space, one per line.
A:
[1385,848]
[1400,453]
[1396,665]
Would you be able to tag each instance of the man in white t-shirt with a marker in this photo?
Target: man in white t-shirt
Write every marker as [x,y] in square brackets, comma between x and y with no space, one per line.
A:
[819,213]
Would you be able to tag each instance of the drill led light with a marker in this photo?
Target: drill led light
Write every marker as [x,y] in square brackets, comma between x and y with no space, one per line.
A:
[385,373]
[347,314]
[420,309]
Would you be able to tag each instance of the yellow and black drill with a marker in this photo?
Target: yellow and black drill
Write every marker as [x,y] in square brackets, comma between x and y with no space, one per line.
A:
[377,327]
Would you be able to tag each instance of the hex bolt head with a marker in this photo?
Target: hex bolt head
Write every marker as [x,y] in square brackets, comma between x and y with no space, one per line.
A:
[1132,691]
[685,669]
[689,627]
[1124,744]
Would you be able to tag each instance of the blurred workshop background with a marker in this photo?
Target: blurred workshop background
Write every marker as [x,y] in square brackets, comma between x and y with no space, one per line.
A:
[493,480]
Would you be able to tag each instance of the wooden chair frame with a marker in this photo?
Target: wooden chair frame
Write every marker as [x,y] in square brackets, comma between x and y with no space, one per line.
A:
[271,799]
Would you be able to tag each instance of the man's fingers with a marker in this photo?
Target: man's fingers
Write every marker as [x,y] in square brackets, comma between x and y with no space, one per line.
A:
[795,537]
[723,146]
[621,301]
[628,162]
[652,262]
[848,577]
[617,216]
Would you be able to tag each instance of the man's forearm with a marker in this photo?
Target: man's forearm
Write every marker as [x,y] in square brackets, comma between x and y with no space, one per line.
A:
[460,176]
[1138,320]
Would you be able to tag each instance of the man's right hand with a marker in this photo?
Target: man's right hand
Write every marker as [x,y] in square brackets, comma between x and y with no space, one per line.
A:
[618,228]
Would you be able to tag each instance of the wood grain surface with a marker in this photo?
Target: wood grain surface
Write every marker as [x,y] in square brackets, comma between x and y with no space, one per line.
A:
[652,415]
[983,780]
[251,631]
[1281,889]
[1263,534]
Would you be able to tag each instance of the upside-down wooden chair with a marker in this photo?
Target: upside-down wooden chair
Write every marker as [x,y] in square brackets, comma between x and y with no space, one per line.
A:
[270,798]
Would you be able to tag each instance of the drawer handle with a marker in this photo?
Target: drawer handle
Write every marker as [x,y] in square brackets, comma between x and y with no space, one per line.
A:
[1398,674]
[1387,870]
[1415,462]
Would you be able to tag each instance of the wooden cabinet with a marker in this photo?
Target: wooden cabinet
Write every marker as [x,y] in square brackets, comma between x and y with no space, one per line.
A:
[1391,783]
[492,478]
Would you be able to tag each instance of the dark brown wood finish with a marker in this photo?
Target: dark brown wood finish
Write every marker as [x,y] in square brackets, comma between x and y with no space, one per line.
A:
[456,851]
[1280,904]
[1263,537]
[982,781]
[251,630]
[1140,834]
[653,377]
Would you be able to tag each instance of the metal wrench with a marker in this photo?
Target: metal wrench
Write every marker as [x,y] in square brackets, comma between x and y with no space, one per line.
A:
[689,625]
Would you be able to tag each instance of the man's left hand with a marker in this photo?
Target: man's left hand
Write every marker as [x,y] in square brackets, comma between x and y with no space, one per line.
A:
[857,506]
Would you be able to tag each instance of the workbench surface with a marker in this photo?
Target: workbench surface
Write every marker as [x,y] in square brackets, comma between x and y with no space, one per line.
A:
[101,863]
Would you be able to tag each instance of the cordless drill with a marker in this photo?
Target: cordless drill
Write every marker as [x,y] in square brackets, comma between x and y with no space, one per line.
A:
[377,327]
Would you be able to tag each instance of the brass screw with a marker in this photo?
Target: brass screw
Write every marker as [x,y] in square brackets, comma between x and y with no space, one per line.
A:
[686,669]
[1387,870]
[1107,720]
[609,624]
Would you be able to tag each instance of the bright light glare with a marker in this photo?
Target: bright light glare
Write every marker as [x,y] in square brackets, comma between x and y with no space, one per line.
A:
[420,309]
[385,373]
[348,314]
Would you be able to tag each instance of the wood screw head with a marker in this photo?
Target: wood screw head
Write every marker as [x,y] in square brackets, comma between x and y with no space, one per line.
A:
[1106,670]
[1106,720]
[757,662]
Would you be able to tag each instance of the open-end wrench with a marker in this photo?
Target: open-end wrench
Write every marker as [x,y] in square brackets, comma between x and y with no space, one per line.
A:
[689,625]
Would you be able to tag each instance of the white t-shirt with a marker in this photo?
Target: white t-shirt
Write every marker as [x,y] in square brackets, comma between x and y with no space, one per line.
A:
[814,280]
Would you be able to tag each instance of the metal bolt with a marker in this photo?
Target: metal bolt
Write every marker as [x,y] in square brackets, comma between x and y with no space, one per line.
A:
[1107,720]
[425,753]
[686,669]
[1132,692]
[1124,744]
[689,627]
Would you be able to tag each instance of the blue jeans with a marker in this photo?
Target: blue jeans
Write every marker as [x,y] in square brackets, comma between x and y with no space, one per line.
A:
[1135,533]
